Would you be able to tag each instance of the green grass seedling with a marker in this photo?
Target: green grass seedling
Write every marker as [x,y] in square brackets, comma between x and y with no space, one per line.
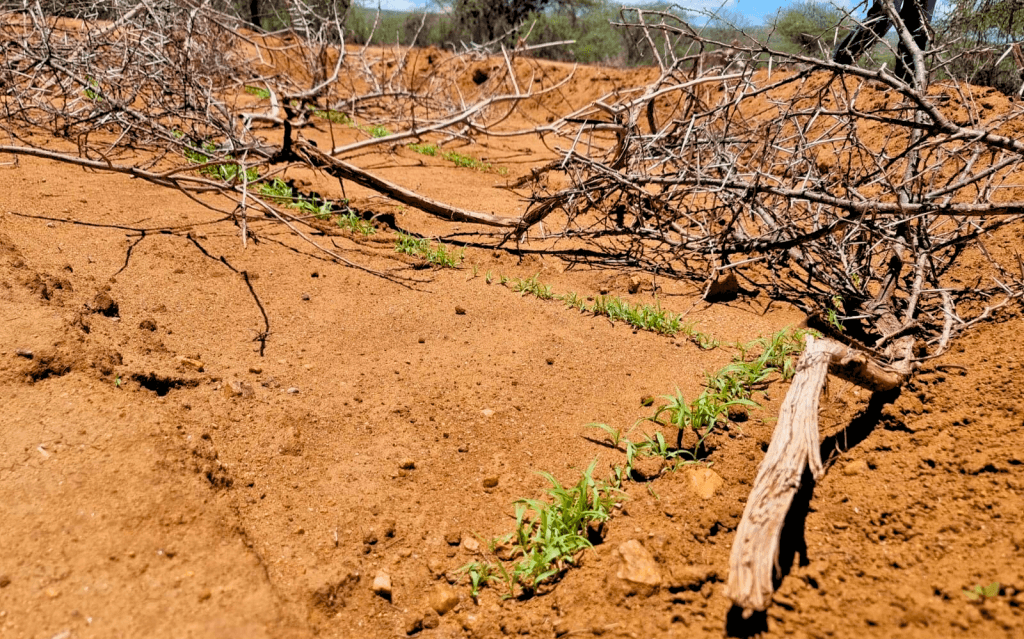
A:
[439,255]
[549,535]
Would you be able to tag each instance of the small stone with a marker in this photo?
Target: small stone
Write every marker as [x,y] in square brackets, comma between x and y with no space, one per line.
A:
[470,544]
[648,468]
[188,362]
[147,325]
[293,390]
[464,448]
[705,482]
[255,370]
[305,297]
[636,569]
[636,284]
[491,482]
[738,414]
[550,361]
[407,464]
[443,598]
[435,566]
[488,412]
[453,538]
[421,341]
[856,467]
[413,623]
[431,620]
[52,593]
[459,310]
[370,537]
[205,595]
[104,305]
[382,584]
[4,581]
[27,354]
[236,388]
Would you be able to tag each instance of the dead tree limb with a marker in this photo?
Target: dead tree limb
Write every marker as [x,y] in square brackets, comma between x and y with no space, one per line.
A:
[794,448]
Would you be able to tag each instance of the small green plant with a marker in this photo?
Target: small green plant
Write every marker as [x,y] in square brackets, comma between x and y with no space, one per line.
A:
[331,115]
[277,189]
[352,222]
[480,574]
[374,131]
[487,277]
[642,316]
[549,535]
[980,593]
[424,149]
[93,92]
[456,158]
[227,171]
[259,92]
[614,434]
[533,287]
[439,255]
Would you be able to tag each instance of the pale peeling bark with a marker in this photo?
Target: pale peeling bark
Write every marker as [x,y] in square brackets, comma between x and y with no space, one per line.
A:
[794,447]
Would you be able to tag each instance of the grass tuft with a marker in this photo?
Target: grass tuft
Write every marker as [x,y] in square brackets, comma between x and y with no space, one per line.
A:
[439,255]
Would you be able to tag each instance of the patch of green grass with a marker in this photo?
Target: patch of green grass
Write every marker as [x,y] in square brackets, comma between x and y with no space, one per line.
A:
[439,255]
[642,316]
[533,287]
[333,116]
[424,149]
[550,534]
[980,593]
[352,222]
[375,130]
[279,191]
[204,153]
[549,537]
[259,92]
[756,365]
[645,317]
[458,159]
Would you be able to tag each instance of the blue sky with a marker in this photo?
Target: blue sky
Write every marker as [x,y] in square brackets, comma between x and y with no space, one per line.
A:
[754,11]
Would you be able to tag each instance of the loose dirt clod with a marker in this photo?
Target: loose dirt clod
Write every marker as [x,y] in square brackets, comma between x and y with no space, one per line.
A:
[382,584]
[443,598]
[635,569]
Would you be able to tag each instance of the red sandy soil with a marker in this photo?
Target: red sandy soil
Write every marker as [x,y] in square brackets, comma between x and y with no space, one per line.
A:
[141,498]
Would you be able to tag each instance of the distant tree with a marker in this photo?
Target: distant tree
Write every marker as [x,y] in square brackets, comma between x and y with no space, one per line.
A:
[978,32]
[810,25]
[486,20]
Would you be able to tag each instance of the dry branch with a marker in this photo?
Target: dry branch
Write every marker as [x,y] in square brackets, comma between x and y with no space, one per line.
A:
[794,448]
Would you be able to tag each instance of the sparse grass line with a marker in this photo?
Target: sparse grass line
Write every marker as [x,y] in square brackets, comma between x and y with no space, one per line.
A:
[756,365]
[280,192]
[458,159]
[259,92]
[645,317]
[439,255]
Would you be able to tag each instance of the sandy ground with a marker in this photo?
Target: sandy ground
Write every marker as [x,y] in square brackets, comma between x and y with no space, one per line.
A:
[161,477]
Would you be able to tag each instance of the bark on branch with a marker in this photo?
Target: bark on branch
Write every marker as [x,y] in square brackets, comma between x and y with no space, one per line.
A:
[794,447]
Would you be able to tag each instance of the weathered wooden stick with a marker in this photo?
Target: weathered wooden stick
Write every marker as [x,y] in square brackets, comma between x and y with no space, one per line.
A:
[794,447]
[341,169]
